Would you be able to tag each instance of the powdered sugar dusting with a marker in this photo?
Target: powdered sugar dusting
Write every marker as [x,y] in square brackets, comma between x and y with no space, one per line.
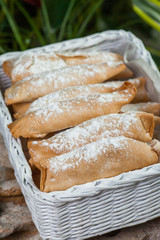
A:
[88,153]
[35,63]
[76,73]
[71,105]
[51,81]
[111,59]
[138,106]
[135,82]
[91,130]
[68,93]
[42,62]
[74,91]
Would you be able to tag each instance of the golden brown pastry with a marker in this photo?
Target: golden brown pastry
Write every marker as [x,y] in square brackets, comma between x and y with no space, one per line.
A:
[34,63]
[20,108]
[156,120]
[125,74]
[141,95]
[70,92]
[29,64]
[104,158]
[64,114]
[80,57]
[150,107]
[90,57]
[96,57]
[136,125]
[39,85]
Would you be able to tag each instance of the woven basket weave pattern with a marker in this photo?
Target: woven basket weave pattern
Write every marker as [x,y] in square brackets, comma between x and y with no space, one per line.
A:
[94,208]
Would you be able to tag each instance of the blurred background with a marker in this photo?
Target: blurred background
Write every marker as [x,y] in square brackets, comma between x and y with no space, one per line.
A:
[31,23]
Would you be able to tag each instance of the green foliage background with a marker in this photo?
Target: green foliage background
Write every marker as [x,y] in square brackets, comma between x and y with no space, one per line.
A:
[23,25]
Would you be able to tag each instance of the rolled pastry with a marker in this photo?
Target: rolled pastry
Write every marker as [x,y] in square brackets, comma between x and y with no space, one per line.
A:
[34,63]
[156,120]
[29,64]
[150,107]
[96,57]
[104,158]
[20,108]
[136,125]
[70,92]
[83,90]
[64,114]
[125,74]
[91,57]
[141,95]
[80,57]
[39,85]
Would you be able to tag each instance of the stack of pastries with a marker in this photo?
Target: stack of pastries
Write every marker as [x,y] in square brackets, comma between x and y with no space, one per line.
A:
[84,115]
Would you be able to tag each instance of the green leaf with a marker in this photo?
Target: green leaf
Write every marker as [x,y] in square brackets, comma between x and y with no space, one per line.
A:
[31,22]
[66,17]
[90,15]
[49,31]
[13,25]
[154,51]
[2,50]
[56,10]
[140,9]
[151,9]
[156,2]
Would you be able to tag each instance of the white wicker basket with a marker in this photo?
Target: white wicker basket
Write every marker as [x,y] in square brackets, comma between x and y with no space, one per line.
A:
[104,205]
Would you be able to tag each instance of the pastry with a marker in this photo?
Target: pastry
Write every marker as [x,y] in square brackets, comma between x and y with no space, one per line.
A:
[150,107]
[104,158]
[83,90]
[136,125]
[141,95]
[36,86]
[125,74]
[29,64]
[20,108]
[68,113]
[96,57]
[34,63]
[156,120]
[68,93]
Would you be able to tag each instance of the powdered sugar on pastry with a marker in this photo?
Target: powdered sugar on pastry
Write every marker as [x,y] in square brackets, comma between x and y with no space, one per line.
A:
[86,153]
[111,59]
[60,76]
[137,107]
[39,85]
[109,125]
[150,107]
[83,90]
[71,112]
[67,74]
[35,63]
[135,125]
[66,93]
[89,101]
[104,158]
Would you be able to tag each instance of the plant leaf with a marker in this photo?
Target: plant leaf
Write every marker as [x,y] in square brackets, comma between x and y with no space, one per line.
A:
[31,22]
[139,9]
[50,34]
[13,25]
[92,11]
[66,17]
